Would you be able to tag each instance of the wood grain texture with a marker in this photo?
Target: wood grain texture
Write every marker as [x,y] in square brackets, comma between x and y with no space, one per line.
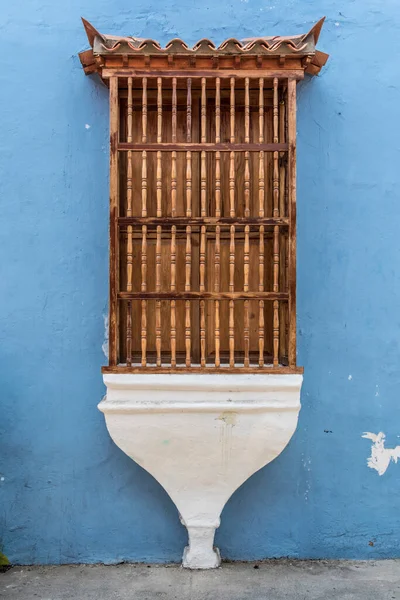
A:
[114,214]
[291,130]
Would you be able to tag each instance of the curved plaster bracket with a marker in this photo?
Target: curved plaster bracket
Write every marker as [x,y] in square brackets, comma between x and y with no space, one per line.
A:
[201,436]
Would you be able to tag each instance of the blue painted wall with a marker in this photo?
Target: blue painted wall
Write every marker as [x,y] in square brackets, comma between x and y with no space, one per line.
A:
[67,494]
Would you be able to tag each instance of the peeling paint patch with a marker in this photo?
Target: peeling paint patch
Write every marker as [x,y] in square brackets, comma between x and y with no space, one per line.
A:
[380,456]
[87,126]
[350,377]
[104,346]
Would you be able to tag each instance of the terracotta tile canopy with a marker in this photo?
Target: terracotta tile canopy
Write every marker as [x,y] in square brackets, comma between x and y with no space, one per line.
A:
[290,52]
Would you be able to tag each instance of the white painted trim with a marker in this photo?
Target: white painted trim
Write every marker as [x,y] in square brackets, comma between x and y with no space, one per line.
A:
[201,436]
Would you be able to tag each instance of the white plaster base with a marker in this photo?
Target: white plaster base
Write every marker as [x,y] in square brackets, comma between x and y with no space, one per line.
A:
[201,436]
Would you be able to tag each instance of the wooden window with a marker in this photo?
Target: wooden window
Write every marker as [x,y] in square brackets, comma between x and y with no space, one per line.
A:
[203,214]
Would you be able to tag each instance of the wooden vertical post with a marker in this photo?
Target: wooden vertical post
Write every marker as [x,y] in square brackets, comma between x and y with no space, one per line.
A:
[261,173]
[144,153]
[114,214]
[159,140]
[216,289]
[291,119]
[173,289]
[173,158]
[203,175]
[217,141]
[261,325]
[231,302]
[158,289]
[246,302]
[246,154]
[188,254]
[276,227]
[129,250]
[143,334]
[129,334]
[202,303]
[232,154]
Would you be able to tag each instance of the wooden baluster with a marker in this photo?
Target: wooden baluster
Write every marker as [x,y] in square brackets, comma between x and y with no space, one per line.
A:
[159,140]
[247,154]
[188,255]
[129,334]
[231,302]
[203,174]
[276,227]
[232,154]
[144,153]
[173,302]
[261,171]
[114,214]
[158,289]
[144,302]
[216,289]
[173,159]
[202,302]
[291,137]
[282,140]
[261,325]
[246,302]
[188,268]
[217,141]
[129,250]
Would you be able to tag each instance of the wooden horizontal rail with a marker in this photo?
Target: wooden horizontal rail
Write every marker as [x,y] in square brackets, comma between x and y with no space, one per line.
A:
[280,370]
[196,73]
[199,147]
[202,295]
[279,221]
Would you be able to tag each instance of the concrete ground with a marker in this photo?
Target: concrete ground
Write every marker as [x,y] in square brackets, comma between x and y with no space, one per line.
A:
[269,580]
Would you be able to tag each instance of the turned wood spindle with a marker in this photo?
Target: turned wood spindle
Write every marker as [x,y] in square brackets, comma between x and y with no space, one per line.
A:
[217,141]
[173,302]
[231,324]
[261,170]
[159,140]
[129,334]
[144,302]
[203,174]
[247,154]
[261,324]
[144,153]
[246,289]
[188,272]
[158,289]
[282,170]
[202,302]
[129,249]
[216,289]
[173,157]
[276,227]
[232,154]
[189,154]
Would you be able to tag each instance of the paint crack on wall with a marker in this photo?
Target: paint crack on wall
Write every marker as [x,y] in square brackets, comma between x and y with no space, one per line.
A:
[380,456]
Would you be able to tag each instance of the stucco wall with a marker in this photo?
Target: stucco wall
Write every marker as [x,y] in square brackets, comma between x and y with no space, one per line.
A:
[67,494]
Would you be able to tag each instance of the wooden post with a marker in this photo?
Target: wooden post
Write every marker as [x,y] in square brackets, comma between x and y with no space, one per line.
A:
[246,302]
[202,302]
[276,227]
[188,267]
[114,214]
[188,254]
[261,174]
[173,289]
[231,302]
[159,140]
[217,141]
[173,158]
[143,334]
[216,289]
[261,325]
[129,250]
[158,289]
[232,154]
[129,334]
[291,118]
[144,153]
[203,175]
[246,154]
